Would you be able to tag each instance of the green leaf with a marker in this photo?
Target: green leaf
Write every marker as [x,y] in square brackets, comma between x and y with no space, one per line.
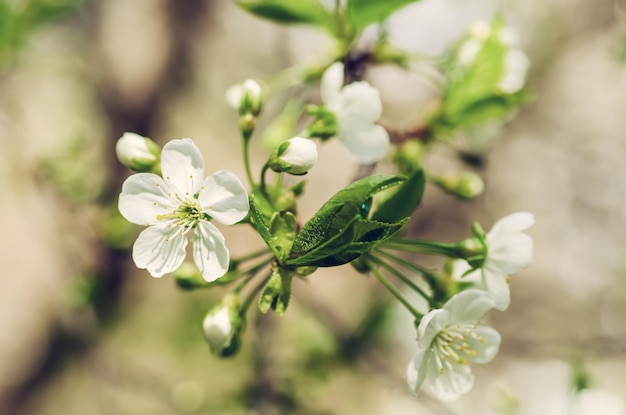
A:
[283,233]
[308,12]
[259,219]
[403,201]
[277,292]
[365,235]
[365,12]
[340,231]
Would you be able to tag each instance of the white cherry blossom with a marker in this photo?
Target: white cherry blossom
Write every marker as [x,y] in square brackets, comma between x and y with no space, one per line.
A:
[448,339]
[182,200]
[509,250]
[357,107]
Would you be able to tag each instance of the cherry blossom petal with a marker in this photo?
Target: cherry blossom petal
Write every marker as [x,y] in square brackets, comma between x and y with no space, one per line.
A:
[431,324]
[209,251]
[497,286]
[358,102]
[331,84]
[451,382]
[483,344]
[183,167]
[510,252]
[224,198]
[415,375]
[143,197]
[515,222]
[367,145]
[468,305]
[160,249]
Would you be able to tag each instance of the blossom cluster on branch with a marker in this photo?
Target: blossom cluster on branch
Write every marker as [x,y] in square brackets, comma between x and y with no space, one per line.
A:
[363,224]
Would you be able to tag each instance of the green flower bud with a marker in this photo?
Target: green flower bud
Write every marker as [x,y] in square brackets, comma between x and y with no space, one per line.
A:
[295,156]
[325,125]
[223,325]
[466,185]
[409,156]
[138,153]
[251,98]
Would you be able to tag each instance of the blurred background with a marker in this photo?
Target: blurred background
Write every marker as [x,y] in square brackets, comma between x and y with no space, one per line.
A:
[82,331]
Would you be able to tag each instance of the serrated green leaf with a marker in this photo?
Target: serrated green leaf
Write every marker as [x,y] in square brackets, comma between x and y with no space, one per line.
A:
[283,233]
[308,12]
[277,292]
[339,212]
[365,12]
[403,201]
[340,231]
[259,219]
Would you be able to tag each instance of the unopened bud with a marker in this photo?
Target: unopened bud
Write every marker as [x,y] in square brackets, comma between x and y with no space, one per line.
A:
[325,125]
[137,153]
[251,98]
[466,185]
[295,156]
[222,326]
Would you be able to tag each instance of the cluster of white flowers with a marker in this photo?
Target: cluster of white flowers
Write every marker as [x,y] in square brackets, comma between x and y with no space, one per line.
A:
[451,337]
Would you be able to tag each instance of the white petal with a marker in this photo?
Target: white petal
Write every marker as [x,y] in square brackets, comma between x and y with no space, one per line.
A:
[515,222]
[159,249]
[224,198]
[331,83]
[182,166]
[209,251]
[510,253]
[498,288]
[431,324]
[484,346]
[416,371]
[358,102]
[218,329]
[468,305]
[450,383]
[143,197]
[367,145]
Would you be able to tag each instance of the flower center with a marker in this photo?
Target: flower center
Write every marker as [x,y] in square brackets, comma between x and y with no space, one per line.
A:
[188,214]
[455,345]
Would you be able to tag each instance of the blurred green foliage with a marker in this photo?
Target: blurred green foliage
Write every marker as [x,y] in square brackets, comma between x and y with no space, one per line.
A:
[19,18]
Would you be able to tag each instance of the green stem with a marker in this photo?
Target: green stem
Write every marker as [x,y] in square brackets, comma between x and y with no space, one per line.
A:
[252,255]
[393,290]
[252,294]
[431,278]
[246,158]
[251,273]
[403,278]
[263,183]
[424,247]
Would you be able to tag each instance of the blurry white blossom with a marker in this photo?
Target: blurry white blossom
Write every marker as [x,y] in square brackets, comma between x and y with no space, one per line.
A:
[448,339]
[357,107]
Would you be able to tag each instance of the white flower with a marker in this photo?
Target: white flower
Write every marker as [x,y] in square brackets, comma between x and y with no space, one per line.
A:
[448,339]
[180,201]
[357,107]
[137,152]
[297,155]
[220,328]
[508,251]
[245,97]
[516,65]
